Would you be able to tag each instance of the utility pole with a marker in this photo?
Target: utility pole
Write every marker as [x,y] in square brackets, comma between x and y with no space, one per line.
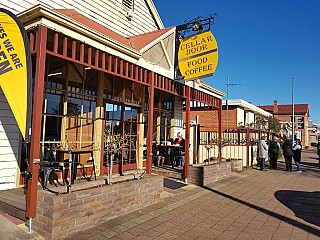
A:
[227,104]
[292,111]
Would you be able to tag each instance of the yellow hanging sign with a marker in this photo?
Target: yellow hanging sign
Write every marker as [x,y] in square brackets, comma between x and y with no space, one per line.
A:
[15,69]
[198,56]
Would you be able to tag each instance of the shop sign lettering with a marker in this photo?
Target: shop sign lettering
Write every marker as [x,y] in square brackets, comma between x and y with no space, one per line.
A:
[198,56]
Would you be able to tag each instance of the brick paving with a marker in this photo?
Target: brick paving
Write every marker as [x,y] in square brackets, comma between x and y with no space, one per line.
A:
[248,205]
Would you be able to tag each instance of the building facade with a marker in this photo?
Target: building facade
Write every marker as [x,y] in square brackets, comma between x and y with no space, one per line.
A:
[100,69]
[284,114]
[240,113]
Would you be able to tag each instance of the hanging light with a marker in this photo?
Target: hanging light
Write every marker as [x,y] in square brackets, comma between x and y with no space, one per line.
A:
[196,26]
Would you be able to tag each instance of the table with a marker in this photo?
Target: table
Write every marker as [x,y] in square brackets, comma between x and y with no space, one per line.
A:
[172,149]
[73,162]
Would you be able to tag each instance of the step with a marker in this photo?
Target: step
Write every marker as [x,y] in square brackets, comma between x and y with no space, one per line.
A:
[175,174]
[13,202]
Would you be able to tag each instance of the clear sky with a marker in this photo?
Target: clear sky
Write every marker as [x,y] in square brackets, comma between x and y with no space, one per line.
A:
[262,45]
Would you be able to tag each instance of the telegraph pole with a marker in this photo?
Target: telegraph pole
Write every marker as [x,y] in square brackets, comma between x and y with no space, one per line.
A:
[227,104]
[292,111]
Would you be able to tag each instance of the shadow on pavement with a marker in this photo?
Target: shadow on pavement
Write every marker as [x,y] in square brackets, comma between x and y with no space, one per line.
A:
[172,184]
[311,164]
[303,226]
[302,204]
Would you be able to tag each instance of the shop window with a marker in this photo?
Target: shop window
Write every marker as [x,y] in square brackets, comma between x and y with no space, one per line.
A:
[130,130]
[52,128]
[54,104]
[91,82]
[122,121]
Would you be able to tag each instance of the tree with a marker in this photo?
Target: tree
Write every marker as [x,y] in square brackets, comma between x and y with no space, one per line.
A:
[267,123]
[273,124]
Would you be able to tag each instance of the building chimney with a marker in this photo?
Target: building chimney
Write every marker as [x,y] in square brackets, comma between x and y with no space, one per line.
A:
[275,106]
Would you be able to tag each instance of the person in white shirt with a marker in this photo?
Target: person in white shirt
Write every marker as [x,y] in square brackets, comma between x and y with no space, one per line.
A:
[297,154]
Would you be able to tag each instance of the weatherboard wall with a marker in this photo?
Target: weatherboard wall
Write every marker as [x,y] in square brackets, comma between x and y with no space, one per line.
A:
[9,145]
[109,13]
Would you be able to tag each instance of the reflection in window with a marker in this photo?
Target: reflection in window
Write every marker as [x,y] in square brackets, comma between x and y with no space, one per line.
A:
[80,96]
[54,104]
[53,128]
[128,128]
[113,118]
[74,107]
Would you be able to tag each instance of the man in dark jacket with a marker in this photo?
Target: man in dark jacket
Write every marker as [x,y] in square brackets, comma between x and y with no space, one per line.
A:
[274,147]
[287,153]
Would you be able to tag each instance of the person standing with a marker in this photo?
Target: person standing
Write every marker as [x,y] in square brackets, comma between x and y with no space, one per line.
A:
[274,147]
[297,154]
[318,151]
[263,153]
[179,153]
[287,153]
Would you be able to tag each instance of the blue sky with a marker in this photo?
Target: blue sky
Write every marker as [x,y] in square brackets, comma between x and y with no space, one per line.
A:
[262,45]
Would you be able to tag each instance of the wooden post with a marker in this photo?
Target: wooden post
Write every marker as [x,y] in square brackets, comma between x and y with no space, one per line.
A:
[98,127]
[187,139]
[150,124]
[248,147]
[41,44]
[220,129]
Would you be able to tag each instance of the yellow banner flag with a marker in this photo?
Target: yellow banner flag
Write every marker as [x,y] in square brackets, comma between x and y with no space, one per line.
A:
[15,69]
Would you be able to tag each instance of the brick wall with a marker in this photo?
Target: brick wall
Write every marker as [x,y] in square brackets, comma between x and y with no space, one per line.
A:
[304,132]
[203,175]
[59,216]
[209,119]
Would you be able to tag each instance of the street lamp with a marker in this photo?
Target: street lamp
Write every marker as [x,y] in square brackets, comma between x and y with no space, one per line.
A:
[229,85]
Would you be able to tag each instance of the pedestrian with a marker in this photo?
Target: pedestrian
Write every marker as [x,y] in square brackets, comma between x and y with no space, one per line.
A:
[274,147]
[179,152]
[287,153]
[318,151]
[297,154]
[263,153]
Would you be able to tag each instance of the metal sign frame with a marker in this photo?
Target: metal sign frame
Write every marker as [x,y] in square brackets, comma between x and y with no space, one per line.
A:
[188,29]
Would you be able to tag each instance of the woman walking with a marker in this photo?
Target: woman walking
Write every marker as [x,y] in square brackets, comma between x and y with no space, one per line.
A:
[297,154]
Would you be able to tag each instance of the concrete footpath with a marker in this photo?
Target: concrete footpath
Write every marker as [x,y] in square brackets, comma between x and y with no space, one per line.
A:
[250,205]
[14,229]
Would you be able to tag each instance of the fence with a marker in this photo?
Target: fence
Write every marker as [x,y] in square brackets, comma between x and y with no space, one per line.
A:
[239,144]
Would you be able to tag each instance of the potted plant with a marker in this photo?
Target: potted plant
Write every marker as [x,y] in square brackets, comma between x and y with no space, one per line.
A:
[236,164]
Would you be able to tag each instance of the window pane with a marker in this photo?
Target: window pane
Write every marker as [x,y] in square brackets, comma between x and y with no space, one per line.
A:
[109,111]
[53,128]
[54,104]
[89,109]
[117,112]
[91,82]
[127,111]
[74,107]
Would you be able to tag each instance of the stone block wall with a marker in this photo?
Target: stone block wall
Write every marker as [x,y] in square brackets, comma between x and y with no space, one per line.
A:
[62,215]
[203,175]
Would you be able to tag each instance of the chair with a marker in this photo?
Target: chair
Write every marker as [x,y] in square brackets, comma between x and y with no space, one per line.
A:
[179,158]
[91,161]
[49,166]
[157,155]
